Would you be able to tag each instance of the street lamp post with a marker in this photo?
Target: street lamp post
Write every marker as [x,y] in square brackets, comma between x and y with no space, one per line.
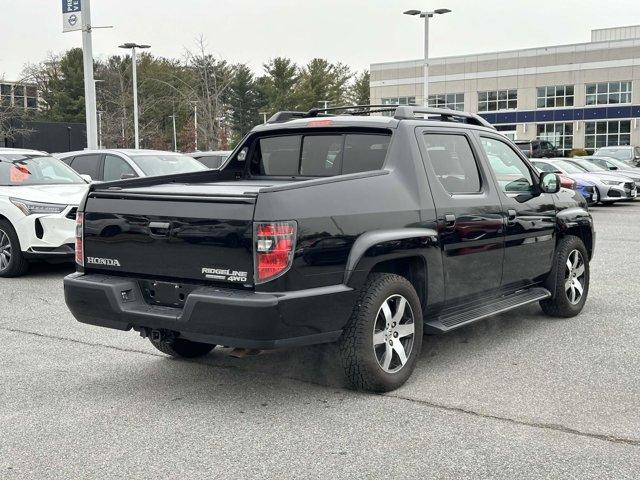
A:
[195,125]
[175,139]
[426,15]
[133,47]
[264,116]
[100,112]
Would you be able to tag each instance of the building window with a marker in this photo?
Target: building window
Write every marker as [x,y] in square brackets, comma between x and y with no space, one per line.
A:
[559,134]
[608,93]
[607,133]
[5,95]
[555,96]
[508,130]
[18,96]
[32,96]
[454,101]
[397,101]
[497,100]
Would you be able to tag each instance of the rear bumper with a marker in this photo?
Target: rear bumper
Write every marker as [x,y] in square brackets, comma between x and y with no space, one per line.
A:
[218,316]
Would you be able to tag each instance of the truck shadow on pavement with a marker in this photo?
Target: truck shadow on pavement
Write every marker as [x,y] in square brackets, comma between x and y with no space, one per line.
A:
[320,364]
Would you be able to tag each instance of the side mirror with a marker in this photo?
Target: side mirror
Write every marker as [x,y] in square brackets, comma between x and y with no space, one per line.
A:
[126,176]
[86,178]
[549,182]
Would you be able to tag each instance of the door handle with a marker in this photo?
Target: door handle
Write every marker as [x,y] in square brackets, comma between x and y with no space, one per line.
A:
[511,216]
[449,220]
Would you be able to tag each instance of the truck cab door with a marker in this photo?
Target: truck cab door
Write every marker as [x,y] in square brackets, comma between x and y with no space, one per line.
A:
[530,216]
[469,214]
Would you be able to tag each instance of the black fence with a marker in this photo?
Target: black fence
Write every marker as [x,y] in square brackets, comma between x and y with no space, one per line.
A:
[50,137]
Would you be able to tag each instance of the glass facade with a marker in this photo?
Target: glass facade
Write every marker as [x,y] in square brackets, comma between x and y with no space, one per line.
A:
[453,101]
[606,133]
[559,134]
[497,100]
[555,96]
[608,93]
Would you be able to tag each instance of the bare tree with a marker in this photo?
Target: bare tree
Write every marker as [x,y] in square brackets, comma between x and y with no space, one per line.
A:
[210,82]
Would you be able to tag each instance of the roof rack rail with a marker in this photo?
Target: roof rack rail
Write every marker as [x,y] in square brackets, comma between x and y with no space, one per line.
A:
[404,112]
[286,116]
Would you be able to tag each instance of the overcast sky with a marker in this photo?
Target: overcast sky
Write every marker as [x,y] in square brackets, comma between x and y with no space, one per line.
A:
[356,32]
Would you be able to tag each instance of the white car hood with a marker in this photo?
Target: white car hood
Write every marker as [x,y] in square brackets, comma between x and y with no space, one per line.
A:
[60,194]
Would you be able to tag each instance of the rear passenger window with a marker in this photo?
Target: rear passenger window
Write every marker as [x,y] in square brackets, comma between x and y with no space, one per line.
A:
[452,159]
[278,156]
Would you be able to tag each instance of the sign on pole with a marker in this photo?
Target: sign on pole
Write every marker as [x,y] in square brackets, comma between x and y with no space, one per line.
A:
[71,15]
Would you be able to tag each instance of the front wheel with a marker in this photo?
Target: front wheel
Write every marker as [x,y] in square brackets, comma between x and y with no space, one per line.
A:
[568,280]
[12,262]
[382,340]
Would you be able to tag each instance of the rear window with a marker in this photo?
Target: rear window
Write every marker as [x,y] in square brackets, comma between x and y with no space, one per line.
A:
[319,155]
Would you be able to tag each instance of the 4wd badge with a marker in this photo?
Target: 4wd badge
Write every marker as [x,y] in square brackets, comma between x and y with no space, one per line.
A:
[224,274]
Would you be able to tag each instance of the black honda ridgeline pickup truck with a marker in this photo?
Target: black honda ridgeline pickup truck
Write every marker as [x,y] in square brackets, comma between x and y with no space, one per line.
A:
[368,231]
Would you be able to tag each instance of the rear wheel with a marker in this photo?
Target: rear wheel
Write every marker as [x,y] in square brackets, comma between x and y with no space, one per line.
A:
[12,262]
[381,343]
[569,279]
[182,348]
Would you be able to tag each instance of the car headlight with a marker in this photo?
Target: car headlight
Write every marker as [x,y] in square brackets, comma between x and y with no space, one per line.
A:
[30,208]
[611,182]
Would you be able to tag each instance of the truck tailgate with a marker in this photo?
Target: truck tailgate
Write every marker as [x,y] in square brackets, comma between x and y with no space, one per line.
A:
[158,234]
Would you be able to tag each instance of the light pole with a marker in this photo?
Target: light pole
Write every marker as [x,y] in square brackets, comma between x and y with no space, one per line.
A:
[426,15]
[264,116]
[175,140]
[133,47]
[195,125]
[100,112]
[326,103]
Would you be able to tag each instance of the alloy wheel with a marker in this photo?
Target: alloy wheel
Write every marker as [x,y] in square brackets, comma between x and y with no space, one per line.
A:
[393,333]
[574,277]
[5,250]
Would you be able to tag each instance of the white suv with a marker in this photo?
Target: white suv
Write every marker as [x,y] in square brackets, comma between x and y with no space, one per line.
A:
[39,197]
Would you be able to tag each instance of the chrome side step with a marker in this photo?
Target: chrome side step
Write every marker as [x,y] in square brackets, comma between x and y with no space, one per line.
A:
[458,318]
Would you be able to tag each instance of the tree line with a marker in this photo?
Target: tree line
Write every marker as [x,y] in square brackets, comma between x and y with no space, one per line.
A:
[227,98]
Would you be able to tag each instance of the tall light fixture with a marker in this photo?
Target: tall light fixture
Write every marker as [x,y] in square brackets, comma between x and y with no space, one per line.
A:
[133,47]
[426,15]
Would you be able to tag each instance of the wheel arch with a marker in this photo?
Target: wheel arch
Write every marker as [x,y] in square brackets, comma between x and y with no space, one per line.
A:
[407,252]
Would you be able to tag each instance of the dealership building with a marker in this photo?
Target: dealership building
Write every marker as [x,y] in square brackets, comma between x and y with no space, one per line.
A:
[583,95]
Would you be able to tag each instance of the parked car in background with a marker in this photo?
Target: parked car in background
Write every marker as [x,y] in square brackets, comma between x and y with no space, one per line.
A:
[626,153]
[212,160]
[119,164]
[598,170]
[39,197]
[616,166]
[583,186]
[611,187]
[538,148]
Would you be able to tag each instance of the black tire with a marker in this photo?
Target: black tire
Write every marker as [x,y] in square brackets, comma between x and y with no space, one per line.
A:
[18,265]
[182,348]
[360,359]
[560,304]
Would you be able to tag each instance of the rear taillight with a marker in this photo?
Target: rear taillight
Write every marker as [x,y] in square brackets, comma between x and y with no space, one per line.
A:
[274,245]
[80,239]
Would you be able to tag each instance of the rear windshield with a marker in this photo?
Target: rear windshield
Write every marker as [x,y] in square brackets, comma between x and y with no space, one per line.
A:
[319,155]
[18,169]
[158,164]
[525,147]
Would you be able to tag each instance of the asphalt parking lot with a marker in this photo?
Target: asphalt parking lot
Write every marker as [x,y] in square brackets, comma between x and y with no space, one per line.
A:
[519,395]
